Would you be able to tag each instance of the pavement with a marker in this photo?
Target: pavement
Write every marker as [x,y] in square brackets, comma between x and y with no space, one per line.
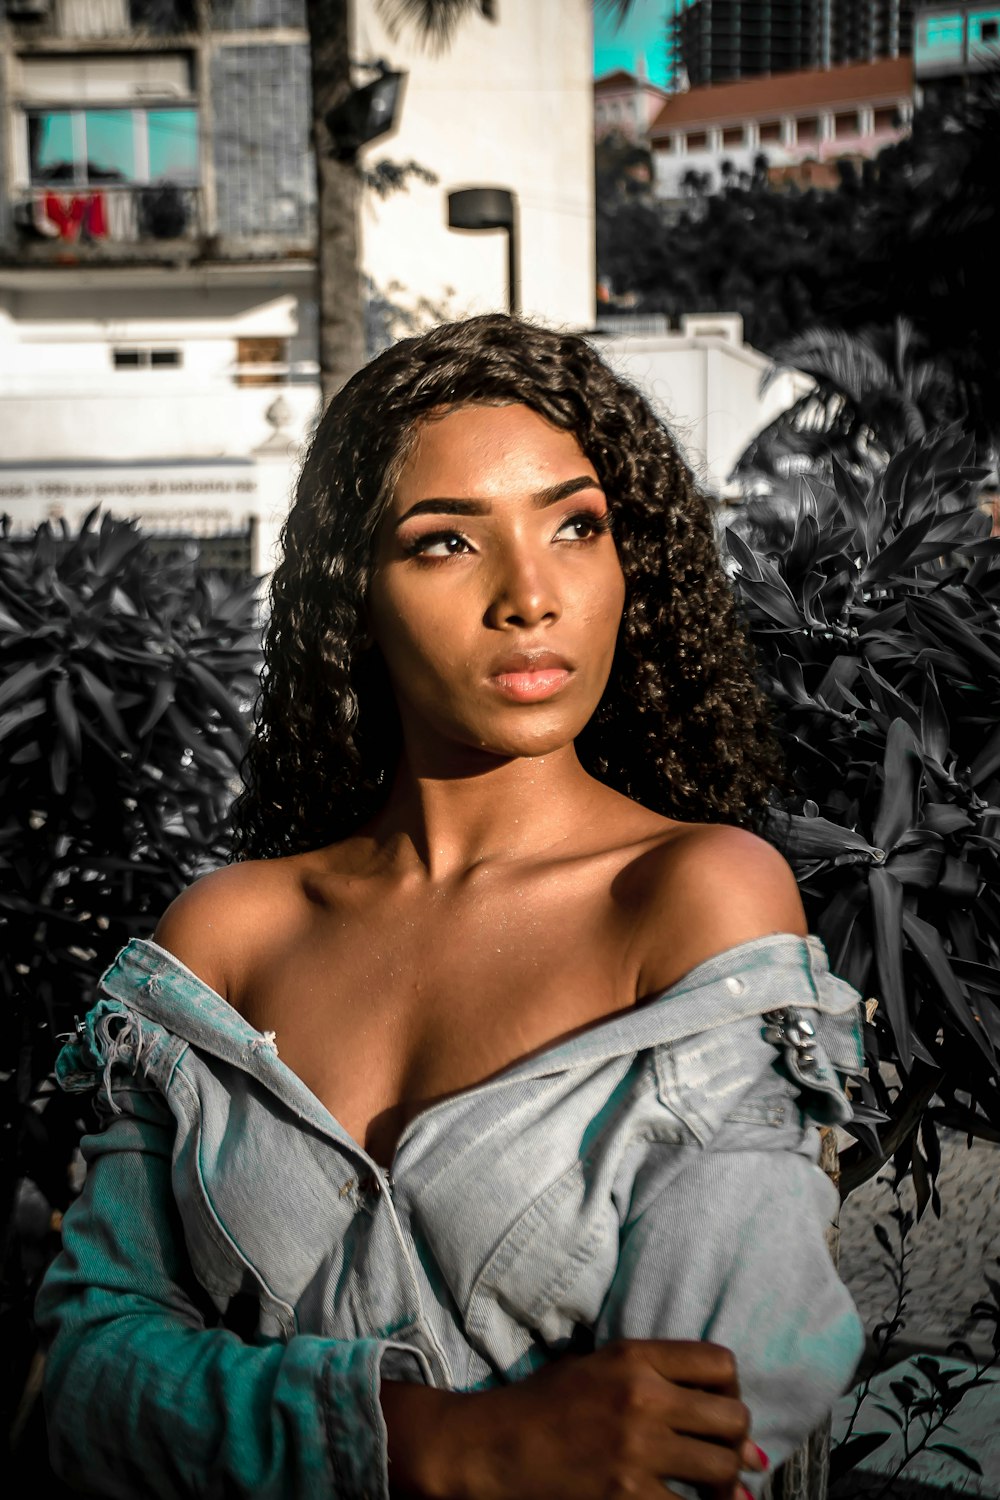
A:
[945,1276]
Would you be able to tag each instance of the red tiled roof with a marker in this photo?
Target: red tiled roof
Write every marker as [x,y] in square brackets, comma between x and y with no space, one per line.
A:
[782,93]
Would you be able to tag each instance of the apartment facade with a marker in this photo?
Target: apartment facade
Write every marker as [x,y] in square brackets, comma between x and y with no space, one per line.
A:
[157,276]
[955,43]
[721,41]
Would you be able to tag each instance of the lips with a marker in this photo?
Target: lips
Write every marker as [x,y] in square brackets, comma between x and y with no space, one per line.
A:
[530,676]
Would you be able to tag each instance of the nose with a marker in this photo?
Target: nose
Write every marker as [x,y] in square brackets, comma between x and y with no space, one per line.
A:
[525,593]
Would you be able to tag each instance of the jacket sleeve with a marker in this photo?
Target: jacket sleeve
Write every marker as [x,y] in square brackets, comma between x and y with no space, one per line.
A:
[730,1244]
[142,1398]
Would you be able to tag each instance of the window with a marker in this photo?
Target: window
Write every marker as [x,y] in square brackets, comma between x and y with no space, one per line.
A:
[91,146]
[807,129]
[770,132]
[732,135]
[697,140]
[263,352]
[989,31]
[145,359]
[885,119]
[845,125]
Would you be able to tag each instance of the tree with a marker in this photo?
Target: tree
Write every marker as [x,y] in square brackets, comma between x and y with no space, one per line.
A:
[905,235]
[873,392]
[338,180]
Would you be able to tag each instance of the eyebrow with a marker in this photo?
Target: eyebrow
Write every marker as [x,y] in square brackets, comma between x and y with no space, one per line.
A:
[541,499]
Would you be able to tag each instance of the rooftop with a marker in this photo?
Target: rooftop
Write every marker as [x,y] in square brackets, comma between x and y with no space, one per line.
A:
[783,93]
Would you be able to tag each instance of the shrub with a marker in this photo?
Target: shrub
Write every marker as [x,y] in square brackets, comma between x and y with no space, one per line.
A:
[125,680]
[879,634]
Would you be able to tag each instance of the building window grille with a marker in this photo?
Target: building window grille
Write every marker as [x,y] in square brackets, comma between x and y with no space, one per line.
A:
[697,140]
[732,135]
[770,132]
[845,125]
[807,129]
[145,359]
[87,147]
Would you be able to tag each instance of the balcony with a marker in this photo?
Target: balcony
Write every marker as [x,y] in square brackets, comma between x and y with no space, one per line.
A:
[97,20]
[60,224]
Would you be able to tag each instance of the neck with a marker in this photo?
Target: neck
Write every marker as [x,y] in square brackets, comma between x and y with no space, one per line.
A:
[481,809]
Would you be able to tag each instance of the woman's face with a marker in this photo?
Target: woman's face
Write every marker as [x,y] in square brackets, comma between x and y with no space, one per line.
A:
[496,592]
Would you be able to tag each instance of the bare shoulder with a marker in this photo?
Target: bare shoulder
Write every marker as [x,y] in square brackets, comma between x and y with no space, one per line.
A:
[223,923]
[706,888]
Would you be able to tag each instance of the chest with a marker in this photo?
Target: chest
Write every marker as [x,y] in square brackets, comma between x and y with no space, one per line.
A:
[384,1008]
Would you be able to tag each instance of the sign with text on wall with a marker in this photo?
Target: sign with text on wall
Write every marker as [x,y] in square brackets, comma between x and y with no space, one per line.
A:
[198,499]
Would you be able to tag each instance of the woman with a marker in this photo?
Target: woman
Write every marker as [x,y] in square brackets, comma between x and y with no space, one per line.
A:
[460,1135]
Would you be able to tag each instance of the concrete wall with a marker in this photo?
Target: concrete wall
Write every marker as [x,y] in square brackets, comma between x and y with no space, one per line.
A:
[508,104]
[706,387]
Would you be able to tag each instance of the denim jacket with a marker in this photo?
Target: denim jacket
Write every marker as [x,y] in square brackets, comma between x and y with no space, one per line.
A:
[237,1274]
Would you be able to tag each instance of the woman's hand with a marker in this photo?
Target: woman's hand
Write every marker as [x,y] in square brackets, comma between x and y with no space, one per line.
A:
[585,1427]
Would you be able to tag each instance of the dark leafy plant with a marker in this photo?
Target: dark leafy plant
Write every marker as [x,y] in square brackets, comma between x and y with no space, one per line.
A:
[125,681]
[926,1395]
[878,629]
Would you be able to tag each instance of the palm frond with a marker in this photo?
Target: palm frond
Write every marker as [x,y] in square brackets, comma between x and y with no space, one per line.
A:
[434,21]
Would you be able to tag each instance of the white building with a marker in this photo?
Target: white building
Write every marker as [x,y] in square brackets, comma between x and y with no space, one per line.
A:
[157,296]
[803,123]
[705,383]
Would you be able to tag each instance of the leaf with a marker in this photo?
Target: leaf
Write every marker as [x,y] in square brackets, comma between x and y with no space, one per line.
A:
[902,765]
[899,553]
[818,838]
[218,697]
[886,895]
[62,702]
[104,700]
[744,555]
[958,1454]
[987,761]
[926,942]
[847,1456]
[882,1235]
[21,682]
[163,696]
[15,717]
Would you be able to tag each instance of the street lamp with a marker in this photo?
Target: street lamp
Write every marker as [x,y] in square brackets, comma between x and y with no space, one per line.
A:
[490,208]
[365,113]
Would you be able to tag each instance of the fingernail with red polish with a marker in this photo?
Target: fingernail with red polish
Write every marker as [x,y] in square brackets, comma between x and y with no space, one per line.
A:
[745,1492]
[763,1458]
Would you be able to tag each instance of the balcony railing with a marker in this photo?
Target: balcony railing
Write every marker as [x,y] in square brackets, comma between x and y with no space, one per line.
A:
[87,20]
[108,215]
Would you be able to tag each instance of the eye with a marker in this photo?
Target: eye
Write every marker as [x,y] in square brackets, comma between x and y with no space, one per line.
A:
[584,526]
[437,544]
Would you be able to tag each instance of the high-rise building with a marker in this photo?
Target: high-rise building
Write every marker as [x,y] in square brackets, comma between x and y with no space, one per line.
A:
[720,41]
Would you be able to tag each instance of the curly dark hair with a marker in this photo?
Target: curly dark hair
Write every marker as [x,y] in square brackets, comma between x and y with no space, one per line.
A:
[682,726]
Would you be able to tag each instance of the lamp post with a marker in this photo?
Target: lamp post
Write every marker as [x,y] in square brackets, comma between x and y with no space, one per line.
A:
[481,208]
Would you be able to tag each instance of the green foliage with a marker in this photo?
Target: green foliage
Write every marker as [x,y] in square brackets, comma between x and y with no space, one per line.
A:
[878,629]
[125,681]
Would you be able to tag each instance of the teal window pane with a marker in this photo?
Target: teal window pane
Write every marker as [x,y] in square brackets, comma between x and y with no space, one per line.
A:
[110,145]
[173,145]
[50,148]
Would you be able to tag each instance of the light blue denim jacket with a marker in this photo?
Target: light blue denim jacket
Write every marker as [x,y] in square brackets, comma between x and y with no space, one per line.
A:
[653,1176]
